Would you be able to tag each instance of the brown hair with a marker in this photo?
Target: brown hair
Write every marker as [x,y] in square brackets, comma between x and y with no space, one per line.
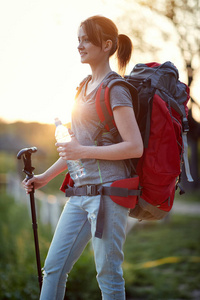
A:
[99,28]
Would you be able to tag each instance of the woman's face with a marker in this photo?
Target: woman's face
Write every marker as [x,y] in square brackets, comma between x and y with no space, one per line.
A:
[90,54]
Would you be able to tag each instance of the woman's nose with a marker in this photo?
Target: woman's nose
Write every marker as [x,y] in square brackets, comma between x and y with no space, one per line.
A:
[80,46]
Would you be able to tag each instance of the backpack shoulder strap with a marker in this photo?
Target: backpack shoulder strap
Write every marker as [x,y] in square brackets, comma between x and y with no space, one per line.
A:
[81,84]
[103,107]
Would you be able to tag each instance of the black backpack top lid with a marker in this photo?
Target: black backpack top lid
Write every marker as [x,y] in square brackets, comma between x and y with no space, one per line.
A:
[163,77]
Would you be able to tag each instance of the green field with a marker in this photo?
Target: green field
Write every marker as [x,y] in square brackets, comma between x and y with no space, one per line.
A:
[162,259]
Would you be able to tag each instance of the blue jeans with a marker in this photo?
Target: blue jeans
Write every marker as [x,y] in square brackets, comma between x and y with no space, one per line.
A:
[75,228]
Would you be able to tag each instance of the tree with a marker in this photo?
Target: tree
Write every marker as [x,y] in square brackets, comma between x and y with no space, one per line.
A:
[177,20]
[185,16]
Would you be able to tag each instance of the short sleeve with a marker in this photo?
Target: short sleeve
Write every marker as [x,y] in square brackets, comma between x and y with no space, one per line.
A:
[120,96]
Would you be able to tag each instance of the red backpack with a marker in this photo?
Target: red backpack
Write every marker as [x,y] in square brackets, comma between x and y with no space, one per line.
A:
[160,105]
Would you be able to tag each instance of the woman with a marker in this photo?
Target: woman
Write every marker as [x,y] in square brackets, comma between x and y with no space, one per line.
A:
[98,41]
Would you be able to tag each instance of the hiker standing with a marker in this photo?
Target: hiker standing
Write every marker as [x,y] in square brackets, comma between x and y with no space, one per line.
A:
[105,163]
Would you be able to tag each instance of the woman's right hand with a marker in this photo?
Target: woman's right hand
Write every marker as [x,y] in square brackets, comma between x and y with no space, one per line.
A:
[38,180]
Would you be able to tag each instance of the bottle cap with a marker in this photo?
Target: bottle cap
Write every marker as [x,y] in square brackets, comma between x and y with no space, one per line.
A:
[57,121]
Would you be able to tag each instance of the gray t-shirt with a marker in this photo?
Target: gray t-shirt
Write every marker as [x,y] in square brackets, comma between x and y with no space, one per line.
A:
[84,124]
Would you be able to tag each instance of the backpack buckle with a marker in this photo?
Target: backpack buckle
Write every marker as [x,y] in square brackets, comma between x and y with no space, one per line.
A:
[91,190]
[185,125]
[113,131]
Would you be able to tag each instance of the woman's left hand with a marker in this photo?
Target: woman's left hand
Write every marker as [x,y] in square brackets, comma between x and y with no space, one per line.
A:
[70,150]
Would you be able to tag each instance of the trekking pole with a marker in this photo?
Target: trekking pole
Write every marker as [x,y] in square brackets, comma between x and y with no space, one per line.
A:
[28,170]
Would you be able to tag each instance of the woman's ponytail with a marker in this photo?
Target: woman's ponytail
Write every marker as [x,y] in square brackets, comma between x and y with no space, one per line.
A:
[100,29]
[124,51]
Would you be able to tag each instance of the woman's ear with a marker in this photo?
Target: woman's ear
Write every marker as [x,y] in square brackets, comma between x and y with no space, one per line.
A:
[107,45]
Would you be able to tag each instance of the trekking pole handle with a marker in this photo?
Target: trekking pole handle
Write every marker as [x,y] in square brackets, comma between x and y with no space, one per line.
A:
[26,151]
[26,154]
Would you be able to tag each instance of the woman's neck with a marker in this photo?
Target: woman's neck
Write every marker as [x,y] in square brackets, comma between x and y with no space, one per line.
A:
[99,72]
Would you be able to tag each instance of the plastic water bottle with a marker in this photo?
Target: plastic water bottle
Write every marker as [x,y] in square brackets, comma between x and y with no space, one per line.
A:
[75,167]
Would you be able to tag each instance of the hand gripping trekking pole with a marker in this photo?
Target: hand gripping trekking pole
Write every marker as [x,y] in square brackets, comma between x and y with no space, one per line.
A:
[28,170]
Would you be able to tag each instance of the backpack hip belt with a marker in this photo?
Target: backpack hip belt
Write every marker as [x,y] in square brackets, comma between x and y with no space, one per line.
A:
[120,192]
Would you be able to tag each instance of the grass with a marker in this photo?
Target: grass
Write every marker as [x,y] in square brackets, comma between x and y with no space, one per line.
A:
[18,273]
[162,259]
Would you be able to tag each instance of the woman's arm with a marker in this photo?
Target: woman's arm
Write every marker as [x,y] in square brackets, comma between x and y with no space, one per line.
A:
[42,179]
[130,147]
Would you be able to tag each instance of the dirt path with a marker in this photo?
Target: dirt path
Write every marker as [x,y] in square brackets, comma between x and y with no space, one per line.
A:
[186,208]
[179,207]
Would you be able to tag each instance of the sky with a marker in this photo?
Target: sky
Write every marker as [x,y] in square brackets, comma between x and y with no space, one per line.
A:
[39,63]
